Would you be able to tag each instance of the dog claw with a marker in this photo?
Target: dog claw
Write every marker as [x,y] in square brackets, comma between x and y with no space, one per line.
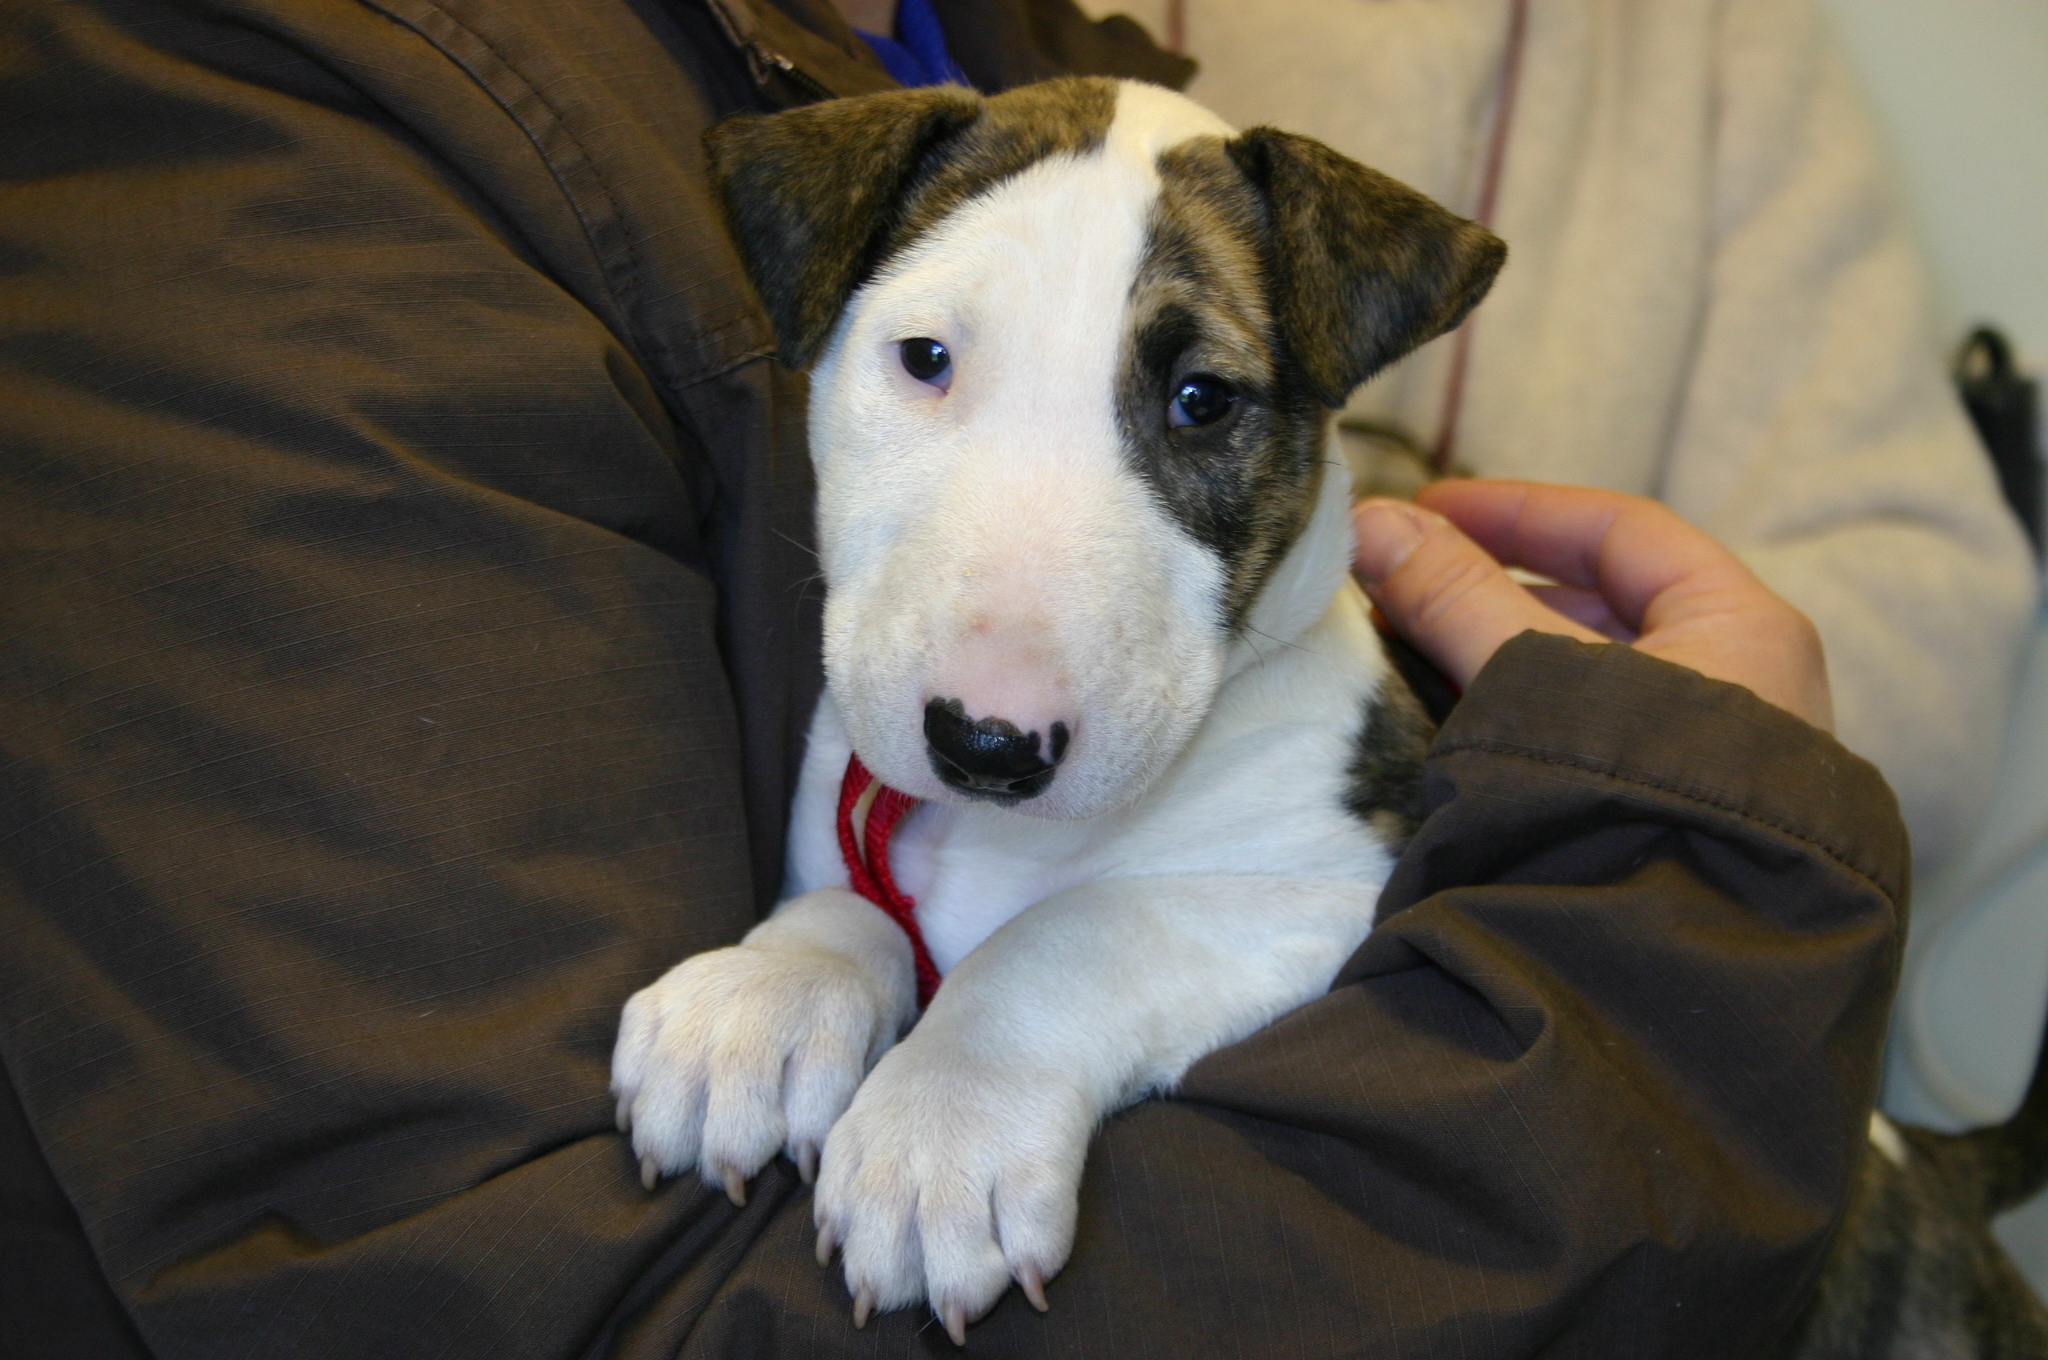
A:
[1033,1284]
[955,1318]
[863,1304]
[825,1246]
[735,1186]
[807,1163]
[624,1117]
[650,1174]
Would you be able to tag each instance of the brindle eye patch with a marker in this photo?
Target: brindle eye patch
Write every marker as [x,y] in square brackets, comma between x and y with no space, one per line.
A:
[926,360]
[1200,399]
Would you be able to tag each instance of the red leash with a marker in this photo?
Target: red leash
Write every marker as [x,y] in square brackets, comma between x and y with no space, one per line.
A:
[867,865]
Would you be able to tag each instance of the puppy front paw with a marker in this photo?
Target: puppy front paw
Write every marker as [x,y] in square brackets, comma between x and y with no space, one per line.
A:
[946,1180]
[740,1052]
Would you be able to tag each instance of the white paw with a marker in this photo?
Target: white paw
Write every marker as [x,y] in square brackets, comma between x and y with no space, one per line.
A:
[946,1180]
[735,1054]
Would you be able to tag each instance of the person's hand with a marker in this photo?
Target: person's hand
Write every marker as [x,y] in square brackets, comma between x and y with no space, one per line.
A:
[1629,570]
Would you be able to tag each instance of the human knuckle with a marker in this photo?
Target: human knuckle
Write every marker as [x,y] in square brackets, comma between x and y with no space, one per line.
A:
[1449,583]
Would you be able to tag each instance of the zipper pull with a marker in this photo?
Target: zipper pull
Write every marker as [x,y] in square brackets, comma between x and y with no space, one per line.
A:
[736,18]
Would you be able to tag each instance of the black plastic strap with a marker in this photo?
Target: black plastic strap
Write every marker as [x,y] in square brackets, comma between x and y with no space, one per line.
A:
[2004,405]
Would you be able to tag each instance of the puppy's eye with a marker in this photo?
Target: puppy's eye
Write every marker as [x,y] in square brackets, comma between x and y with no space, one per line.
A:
[1201,399]
[925,359]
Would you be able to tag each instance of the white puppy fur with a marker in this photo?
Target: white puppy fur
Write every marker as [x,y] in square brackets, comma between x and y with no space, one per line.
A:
[989,541]
[1192,872]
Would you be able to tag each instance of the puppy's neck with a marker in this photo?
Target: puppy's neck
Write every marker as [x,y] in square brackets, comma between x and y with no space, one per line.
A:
[1306,580]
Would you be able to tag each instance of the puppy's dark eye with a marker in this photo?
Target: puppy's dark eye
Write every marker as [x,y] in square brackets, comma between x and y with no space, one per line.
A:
[925,359]
[1201,399]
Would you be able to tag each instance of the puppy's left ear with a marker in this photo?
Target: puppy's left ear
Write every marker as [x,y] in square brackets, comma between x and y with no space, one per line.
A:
[1364,268]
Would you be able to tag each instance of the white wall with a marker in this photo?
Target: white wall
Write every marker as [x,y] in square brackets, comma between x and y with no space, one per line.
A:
[1961,89]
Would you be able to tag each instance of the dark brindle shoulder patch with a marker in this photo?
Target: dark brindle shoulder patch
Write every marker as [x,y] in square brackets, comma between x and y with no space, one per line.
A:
[1915,1270]
[1384,788]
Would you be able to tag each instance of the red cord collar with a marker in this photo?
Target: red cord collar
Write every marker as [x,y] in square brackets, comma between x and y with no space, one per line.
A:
[867,862]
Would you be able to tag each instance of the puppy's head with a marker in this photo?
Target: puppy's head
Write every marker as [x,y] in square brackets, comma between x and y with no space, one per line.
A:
[1072,351]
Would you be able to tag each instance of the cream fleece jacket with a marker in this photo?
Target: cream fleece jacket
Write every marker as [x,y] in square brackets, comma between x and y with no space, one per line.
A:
[1713,296]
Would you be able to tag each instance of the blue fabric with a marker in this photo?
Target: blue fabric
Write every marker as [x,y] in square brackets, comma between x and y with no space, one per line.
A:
[917,54]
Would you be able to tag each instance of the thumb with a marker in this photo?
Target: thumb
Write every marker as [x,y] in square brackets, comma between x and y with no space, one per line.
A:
[1442,591]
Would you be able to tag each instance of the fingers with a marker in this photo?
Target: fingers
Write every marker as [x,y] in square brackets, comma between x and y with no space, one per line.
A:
[1641,557]
[1631,570]
[1443,592]
[1587,607]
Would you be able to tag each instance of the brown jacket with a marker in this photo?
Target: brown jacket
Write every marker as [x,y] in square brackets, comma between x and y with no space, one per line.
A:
[408,639]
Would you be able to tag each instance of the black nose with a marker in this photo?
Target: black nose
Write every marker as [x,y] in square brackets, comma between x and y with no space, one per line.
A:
[989,757]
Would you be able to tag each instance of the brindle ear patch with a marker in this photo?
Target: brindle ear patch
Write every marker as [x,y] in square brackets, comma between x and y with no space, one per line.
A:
[810,194]
[819,198]
[1017,129]
[1364,268]
[1200,303]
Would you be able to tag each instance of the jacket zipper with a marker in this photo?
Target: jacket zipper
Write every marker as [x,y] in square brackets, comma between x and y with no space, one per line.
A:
[736,17]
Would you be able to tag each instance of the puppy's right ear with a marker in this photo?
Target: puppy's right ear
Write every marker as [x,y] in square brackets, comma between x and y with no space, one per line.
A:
[812,193]
[1364,268]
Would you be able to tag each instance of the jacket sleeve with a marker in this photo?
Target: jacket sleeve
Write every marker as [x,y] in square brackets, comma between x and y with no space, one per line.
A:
[1595,1087]
[1818,436]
